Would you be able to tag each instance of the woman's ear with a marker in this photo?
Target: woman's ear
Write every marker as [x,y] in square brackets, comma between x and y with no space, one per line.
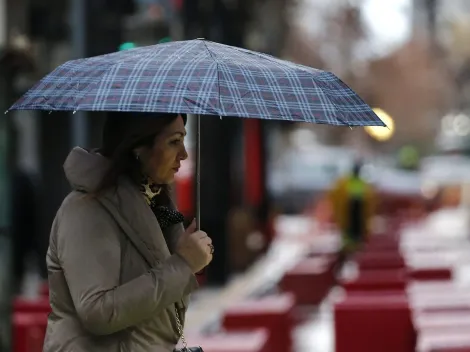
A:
[138,152]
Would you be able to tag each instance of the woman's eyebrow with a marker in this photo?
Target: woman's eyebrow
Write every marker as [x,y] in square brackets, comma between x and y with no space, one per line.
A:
[182,133]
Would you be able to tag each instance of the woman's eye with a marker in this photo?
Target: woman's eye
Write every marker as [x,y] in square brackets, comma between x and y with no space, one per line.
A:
[176,142]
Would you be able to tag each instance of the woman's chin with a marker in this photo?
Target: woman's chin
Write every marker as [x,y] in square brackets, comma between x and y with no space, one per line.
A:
[170,180]
[166,180]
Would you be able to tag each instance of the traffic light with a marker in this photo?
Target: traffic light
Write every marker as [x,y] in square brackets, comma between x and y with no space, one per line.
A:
[164,40]
[132,45]
[127,46]
[408,157]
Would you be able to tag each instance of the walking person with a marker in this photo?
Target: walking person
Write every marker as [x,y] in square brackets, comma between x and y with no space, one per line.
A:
[120,264]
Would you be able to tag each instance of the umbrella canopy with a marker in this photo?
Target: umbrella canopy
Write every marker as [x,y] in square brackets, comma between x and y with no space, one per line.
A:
[202,78]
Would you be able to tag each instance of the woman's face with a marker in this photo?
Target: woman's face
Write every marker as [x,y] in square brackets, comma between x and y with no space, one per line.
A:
[162,161]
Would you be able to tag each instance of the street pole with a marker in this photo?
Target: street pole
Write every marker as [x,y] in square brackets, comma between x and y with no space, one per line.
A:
[78,19]
[5,234]
[5,197]
[3,23]
[431,9]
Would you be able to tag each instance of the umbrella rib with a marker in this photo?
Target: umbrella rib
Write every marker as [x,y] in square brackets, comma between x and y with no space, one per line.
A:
[218,74]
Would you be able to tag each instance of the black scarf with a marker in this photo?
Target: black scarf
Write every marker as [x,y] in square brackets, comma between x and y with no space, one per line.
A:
[166,216]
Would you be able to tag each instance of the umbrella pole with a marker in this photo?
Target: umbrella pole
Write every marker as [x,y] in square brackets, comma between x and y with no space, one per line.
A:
[198,172]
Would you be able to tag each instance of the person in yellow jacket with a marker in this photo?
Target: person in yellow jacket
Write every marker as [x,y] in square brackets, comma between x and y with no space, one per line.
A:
[353,202]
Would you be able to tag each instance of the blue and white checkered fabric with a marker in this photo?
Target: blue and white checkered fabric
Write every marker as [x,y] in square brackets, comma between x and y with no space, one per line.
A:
[200,77]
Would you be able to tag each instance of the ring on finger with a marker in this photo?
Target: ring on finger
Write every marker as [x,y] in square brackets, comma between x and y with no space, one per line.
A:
[211,246]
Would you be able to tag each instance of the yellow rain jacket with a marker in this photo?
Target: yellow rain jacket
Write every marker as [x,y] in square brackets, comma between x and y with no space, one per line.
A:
[344,190]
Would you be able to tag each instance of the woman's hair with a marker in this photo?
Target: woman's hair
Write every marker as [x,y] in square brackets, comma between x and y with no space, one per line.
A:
[122,133]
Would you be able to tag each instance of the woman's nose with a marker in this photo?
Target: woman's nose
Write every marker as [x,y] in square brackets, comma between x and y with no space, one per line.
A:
[184,154]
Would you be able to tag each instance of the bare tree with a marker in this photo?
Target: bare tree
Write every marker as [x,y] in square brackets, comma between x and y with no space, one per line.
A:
[413,86]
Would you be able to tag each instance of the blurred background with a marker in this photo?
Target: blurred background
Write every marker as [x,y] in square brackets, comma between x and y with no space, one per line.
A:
[408,59]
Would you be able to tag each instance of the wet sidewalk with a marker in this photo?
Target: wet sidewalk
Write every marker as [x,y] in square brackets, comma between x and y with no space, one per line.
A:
[313,334]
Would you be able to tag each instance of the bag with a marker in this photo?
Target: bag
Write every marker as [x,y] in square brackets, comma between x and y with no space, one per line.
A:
[179,326]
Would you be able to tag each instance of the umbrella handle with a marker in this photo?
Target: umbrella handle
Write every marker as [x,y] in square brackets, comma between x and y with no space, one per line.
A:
[198,172]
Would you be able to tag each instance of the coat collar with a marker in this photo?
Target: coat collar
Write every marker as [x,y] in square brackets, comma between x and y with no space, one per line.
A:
[143,228]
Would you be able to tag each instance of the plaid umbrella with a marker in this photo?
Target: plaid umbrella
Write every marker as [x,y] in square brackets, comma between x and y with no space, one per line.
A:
[200,77]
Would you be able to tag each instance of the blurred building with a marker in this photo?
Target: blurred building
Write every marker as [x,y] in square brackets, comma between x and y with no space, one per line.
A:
[54,31]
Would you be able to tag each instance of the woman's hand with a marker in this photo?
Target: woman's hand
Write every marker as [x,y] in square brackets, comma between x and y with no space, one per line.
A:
[195,247]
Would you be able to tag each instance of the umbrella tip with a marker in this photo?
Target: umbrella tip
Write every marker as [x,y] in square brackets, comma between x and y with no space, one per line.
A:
[7,111]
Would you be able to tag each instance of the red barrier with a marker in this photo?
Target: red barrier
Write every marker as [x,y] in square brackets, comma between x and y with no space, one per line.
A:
[374,323]
[386,244]
[389,239]
[29,330]
[274,313]
[430,274]
[44,289]
[379,260]
[377,280]
[309,281]
[39,305]
[374,293]
[253,341]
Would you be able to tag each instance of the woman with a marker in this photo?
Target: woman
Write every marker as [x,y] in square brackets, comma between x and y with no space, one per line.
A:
[120,264]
